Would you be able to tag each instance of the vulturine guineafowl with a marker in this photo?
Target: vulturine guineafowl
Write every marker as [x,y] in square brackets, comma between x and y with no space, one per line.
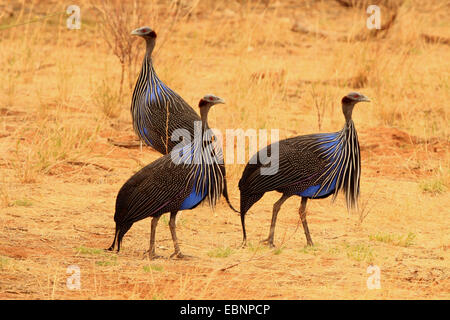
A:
[311,166]
[177,181]
[157,111]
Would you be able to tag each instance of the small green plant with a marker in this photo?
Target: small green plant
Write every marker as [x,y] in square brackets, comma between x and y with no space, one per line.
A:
[152,267]
[85,250]
[221,252]
[433,186]
[395,239]
[23,203]
[3,262]
[408,240]
[309,249]
[278,251]
[164,220]
[112,261]
[255,248]
[359,252]
[335,251]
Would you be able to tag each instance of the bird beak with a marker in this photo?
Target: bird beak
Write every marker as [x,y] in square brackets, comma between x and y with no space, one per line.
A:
[221,101]
[136,32]
[365,99]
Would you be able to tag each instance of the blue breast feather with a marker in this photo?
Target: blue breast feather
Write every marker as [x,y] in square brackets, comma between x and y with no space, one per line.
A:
[196,196]
[150,93]
[192,199]
[329,147]
[156,88]
[144,134]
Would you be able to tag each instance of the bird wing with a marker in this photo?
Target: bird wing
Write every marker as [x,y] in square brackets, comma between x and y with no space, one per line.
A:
[299,162]
[160,183]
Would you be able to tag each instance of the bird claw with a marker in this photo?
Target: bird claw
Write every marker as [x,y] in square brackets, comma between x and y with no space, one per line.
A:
[268,241]
[179,255]
[111,249]
[151,255]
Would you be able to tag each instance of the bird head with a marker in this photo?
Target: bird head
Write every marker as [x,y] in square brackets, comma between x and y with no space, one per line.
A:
[355,97]
[145,32]
[349,101]
[209,100]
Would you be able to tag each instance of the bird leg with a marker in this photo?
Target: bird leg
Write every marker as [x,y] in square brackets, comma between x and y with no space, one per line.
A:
[151,251]
[302,212]
[276,209]
[172,225]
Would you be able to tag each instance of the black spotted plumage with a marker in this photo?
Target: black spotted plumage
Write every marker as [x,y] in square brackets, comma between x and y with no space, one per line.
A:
[311,166]
[157,111]
[180,180]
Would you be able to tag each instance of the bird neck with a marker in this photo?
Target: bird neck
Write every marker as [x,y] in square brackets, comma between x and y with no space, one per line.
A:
[148,66]
[204,117]
[150,45]
[347,109]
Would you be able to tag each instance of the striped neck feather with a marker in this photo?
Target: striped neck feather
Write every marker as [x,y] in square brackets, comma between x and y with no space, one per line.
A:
[204,158]
[341,151]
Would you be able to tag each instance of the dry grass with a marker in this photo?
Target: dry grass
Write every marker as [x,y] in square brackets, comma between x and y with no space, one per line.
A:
[60,175]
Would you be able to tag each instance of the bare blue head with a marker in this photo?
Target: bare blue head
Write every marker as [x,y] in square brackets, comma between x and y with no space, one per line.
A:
[149,36]
[349,101]
[206,103]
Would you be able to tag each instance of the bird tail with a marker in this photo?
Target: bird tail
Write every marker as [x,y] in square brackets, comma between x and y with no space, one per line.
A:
[225,194]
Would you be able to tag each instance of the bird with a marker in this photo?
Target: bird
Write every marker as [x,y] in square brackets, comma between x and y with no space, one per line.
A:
[181,180]
[312,166]
[157,111]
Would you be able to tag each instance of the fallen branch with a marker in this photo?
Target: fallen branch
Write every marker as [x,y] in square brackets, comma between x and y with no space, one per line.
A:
[81,163]
[301,28]
[435,39]
[128,144]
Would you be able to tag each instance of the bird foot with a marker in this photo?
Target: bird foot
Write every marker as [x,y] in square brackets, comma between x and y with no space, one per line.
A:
[268,242]
[151,255]
[179,256]
[111,249]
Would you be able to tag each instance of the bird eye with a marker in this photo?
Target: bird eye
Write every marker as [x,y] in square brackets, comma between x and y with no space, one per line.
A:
[211,98]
